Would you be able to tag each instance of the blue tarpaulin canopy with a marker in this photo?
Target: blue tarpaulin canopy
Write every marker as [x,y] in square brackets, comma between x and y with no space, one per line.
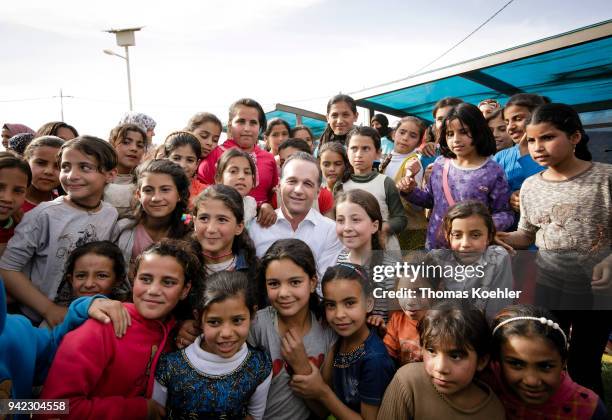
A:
[574,68]
[297,116]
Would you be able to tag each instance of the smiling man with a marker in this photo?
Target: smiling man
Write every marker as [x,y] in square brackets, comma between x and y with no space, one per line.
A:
[299,186]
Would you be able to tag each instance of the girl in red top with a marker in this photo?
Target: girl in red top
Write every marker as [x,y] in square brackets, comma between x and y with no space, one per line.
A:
[246,122]
[108,378]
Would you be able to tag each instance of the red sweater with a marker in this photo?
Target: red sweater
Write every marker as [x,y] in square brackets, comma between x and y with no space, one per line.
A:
[105,377]
[267,170]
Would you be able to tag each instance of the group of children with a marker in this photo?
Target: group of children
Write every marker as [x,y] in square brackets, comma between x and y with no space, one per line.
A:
[216,332]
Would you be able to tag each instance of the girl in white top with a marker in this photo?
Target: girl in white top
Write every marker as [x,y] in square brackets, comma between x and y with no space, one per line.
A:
[219,375]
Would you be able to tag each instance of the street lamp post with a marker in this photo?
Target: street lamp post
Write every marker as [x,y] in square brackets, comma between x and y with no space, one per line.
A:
[125,38]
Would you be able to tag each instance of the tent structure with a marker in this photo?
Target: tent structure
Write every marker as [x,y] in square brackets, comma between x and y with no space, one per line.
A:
[573,68]
[298,116]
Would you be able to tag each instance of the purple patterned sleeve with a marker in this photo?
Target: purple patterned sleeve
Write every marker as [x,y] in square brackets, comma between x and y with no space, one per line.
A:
[499,196]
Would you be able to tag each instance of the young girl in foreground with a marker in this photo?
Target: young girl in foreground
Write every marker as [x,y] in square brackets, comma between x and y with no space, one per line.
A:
[566,210]
[469,229]
[464,172]
[219,375]
[163,195]
[358,225]
[360,367]
[41,155]
[530,350]
[456,341]
[291,329]
[105,377]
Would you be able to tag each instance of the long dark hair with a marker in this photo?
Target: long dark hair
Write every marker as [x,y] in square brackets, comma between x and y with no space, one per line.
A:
[565,118]
[328,135]
[471,117]
[178,228]
[232,199]
[337,147]
[298,252]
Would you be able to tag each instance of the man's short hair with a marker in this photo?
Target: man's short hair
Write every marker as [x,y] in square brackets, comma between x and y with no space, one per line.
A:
[306,157]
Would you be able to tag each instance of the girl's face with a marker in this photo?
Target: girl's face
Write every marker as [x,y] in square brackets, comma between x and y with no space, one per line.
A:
[550,146]
[346,306]
[225,326]
[515,118]
[13,187]
[498,128]
[158,195]
[216,227]
[469,237]
[82,178]
[159,285]
[238,174]
[354,227]
[459,139]
[531,367]
[415,307]
[186,158]
[208,134]
[341,118]
[304,135]
[93,274]
[288,287]
[278,134]
[406,137]
[244,127]
[361,154]
[130,150]
[45,172]
[451,369]
[332,166]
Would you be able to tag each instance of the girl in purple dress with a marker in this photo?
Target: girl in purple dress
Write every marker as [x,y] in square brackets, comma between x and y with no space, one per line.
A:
[463,172]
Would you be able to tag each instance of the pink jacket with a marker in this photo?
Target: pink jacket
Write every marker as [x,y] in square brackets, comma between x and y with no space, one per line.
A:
[267,170]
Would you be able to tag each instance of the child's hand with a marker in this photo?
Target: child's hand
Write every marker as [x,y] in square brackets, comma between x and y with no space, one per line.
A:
[311,386]
[515,201]
[106,310]
[294,353]
[54,315]
[406,184]
[428,149]
[187,334]
[266,216]
[154,410]
[413,166]
[502,238]
[378,322]
[602,275]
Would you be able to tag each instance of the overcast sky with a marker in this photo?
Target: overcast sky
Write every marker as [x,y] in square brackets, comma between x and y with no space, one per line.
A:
[202,55]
